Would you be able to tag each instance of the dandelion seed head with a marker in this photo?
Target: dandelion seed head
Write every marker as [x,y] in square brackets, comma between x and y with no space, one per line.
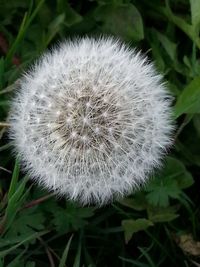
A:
[91,120]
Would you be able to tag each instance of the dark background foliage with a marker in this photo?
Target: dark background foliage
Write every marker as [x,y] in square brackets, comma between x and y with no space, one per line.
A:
[158,226]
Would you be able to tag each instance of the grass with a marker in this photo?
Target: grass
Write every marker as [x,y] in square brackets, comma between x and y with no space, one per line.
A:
[158,226]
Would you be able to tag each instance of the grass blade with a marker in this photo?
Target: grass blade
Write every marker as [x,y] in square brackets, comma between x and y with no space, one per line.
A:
[14,179]
[29,238]
[65,253]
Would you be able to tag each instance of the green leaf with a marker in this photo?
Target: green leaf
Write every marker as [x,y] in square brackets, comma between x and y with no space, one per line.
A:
[168,45]
[12,240]
[12,4]
[22,30]
[156,214]
[160,190]
[124,20]
[65,253]
[176,170]
[26,222]
[169,183]
[1,73]
[147,257]
[182,24]
[138,202]
[71,218]
[30,264]
[17,262]
[28,239]
[189,100]
[195,14]
[78,255]
[71,16]
[160,195]
[14,179]
[196,122]
[54,27]
[15,202]
[156,51]
[133,226]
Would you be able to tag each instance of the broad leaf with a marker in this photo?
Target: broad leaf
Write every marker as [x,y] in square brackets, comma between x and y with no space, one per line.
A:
[71,16]
[71,218]
[30,238]
[189,100]
[124,20]
[169,183]
[168,45]
[26,222]
[156,214]
[137,202]
[195,14]
[133,226]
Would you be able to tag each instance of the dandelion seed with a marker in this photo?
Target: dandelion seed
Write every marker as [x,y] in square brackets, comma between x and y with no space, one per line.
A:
[69,104]
[105,114]
[97,130]
[68,120]
[88,104]
[97,120]
[85,120]
[73,134]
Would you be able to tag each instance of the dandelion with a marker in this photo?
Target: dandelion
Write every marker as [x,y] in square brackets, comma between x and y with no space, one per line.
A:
[91,120]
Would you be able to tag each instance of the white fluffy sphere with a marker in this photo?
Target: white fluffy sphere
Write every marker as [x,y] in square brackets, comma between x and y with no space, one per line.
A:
[91,120]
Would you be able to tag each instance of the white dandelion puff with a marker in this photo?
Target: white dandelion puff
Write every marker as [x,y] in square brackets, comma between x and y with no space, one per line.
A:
[91,120]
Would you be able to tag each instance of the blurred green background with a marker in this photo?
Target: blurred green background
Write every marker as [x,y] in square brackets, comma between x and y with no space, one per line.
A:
[158,226]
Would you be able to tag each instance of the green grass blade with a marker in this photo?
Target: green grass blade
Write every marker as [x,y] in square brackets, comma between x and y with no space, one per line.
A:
[65,253]
[146,255]
[14,203]
[78,255]
[135,262]
[17,40]
[15,262]
[22,30]
[14,179]
[29,238]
